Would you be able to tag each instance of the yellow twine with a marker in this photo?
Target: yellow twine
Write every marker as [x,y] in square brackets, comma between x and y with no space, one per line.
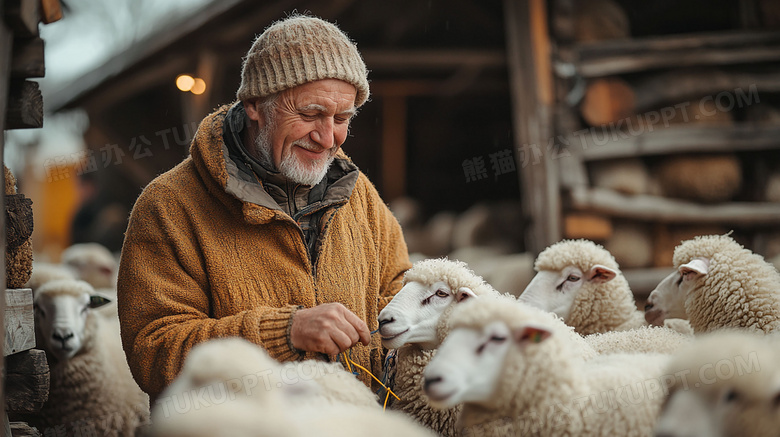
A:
[389,392]
[387,397]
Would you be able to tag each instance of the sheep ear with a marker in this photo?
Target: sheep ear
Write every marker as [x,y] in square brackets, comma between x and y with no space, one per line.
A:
[464,293]
[531,334]
[695,268]
[600,274]
[98,300]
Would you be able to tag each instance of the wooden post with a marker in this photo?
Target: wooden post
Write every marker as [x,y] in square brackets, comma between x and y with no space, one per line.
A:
[27,58]
[25,106]
[23,17]
[5,61]
[393,146]
[528,57]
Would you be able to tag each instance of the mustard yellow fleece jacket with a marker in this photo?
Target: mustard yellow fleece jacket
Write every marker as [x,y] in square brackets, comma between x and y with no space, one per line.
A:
[201,260]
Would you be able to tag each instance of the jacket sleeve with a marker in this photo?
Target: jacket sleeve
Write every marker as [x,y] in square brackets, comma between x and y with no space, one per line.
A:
[163,296]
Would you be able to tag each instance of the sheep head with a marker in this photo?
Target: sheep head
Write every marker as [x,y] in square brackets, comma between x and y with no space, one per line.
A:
[726,384]
[468,365]
[495,352]
[581,282]
[63,309]
[556,290]
[431,288]
[667,300]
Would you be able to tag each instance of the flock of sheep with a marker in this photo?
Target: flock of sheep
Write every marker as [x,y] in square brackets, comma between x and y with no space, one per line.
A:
[570,356]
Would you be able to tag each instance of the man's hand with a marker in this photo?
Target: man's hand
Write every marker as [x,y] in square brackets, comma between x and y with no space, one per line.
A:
[328,328]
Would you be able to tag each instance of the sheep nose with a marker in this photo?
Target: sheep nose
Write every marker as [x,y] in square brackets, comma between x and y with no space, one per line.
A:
[430,381]
[384,322]
[648,307]
[62,336]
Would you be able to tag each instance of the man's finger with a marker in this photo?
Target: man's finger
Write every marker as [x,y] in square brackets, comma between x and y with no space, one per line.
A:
[360,326]
[341,340]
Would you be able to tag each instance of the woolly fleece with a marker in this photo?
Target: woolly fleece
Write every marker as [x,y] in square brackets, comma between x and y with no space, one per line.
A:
[94,389]
[411,359]
[646,339]
[550,390]
[740,290]
[756,383]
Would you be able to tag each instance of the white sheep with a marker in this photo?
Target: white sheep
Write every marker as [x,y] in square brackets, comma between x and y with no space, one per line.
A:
[91,386]
[720,284]
[580,281]
[410,324]
[92,262]
[242,391]
[726,384]
[515,365]
[666,301]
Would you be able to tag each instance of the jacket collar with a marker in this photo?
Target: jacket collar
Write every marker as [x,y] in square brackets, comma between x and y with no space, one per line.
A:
[220,155]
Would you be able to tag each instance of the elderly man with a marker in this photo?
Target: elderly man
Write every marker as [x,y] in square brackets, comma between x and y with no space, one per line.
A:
[267,230]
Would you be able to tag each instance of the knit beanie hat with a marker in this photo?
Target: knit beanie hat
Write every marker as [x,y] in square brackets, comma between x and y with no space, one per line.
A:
[297,50]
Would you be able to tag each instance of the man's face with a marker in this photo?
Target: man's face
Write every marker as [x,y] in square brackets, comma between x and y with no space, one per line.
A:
[309,125]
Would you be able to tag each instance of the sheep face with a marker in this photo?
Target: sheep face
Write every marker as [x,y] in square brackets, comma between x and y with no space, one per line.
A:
[667,300]
[468,365]
[725,384]
[412,315]
[687,414]
[61,316]
[555,291]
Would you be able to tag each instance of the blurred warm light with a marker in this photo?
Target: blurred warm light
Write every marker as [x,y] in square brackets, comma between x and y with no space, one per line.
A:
[199,87]
[185,82]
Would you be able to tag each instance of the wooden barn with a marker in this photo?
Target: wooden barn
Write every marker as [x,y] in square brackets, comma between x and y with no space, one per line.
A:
[504,125]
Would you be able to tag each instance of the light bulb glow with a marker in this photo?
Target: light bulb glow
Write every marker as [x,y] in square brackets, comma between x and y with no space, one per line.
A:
[185,82]
[199,87]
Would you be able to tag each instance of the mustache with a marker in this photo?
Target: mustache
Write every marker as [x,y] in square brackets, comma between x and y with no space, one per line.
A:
[308,145]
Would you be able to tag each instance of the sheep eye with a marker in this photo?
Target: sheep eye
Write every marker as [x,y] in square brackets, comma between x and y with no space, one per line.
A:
[498,339]
[731,396]
[442,293]
[573,278]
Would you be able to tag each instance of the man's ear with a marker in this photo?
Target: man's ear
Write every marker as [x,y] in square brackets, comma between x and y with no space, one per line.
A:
[252,109]
[695,268]
[600,274]
[464,293]
[530,334]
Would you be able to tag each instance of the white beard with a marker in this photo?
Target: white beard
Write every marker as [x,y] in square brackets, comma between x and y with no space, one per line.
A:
[291,167]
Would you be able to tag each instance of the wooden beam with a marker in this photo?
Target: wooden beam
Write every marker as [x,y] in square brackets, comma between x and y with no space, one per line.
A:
[23,17]
[604,143]
[27,58]
[27,381]
[25,106]
[610,58]
[19,321]
[433,59]
[51,11]
[393,147]
[22,429]
[653,208]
